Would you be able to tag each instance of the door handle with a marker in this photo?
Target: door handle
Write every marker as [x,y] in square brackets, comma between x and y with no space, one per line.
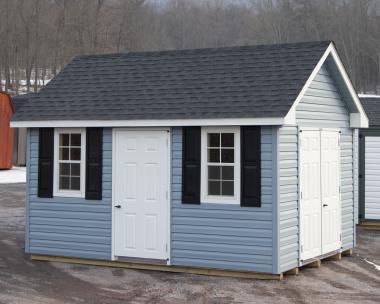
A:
[325,205]
[118,206]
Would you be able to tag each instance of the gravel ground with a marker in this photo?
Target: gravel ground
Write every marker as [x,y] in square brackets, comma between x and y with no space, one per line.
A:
[351,280]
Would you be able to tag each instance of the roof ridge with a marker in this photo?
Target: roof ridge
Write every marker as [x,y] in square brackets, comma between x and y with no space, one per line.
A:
[206,49]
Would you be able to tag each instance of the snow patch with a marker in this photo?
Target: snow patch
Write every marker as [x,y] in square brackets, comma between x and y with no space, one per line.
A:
[373,264]
[15,175]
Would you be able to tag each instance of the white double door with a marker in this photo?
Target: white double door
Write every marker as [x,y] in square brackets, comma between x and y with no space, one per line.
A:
[141,200]
[320,211]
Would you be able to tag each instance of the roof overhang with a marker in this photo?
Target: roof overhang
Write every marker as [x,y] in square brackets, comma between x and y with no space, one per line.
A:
[358,119]
[265,121]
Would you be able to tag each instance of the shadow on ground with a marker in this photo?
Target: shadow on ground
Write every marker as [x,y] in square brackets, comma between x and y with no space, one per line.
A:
[351,280]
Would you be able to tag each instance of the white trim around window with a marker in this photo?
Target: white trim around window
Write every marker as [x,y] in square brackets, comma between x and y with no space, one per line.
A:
[233,162]
[69,148]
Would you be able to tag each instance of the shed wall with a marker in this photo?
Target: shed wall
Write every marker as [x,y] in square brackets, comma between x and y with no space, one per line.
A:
[223,235]
[288,198]
[6,133]
[323,107]
[72,227]
[370,172]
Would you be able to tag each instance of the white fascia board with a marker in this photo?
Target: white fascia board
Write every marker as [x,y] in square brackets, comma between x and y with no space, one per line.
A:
[290,118]
[357,120]
[266,121]
[368,96]
[362,120]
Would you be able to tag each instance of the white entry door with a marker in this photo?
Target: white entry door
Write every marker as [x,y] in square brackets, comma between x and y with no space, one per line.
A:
[319,198]
[141,194]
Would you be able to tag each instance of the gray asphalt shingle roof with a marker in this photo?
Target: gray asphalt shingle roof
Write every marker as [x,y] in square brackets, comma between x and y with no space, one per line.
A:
[371,106]
[234,82]
[19,101]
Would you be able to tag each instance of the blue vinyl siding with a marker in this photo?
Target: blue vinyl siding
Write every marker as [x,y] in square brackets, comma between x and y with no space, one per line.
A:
[72,227]
[288,198]
[322,106]
[224,236]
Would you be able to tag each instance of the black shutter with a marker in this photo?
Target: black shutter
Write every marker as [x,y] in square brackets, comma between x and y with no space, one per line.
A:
[94,163]
[45,162]
[191,165]
[250,166]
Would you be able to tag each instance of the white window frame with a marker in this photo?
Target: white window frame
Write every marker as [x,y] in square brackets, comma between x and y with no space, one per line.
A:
[205,198]
[69,193]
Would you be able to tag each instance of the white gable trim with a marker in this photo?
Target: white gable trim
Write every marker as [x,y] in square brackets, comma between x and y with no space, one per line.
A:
[357,120]
[368,96]
[265,121]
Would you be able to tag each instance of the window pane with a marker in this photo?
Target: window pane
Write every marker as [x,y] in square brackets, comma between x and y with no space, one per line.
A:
[213,139]
[213,155]
[227,139]
[75,183]
[228,173]
[64,169]
[64,153]
[213,188]
[227,155]
[75,169]
[64,139]
[214,172]
[75,140]
[75,154]
[64,183]
[228,188]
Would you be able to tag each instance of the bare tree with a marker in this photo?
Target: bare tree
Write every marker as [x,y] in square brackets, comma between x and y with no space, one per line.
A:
[38,37]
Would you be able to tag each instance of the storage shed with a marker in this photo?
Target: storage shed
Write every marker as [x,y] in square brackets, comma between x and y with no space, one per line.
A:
[6,133]
[369,165]
[19,147]
[207,160]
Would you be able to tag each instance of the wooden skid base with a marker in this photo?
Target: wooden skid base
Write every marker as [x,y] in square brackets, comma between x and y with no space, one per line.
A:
[193,270]
[335,257]
[314,264]
[318,261]
[348,252]
[370,225]
[294,271]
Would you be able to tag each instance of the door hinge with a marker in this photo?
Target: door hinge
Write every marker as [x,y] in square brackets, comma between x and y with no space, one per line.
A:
[167,142]
[166,247]
[340,237]
[339,189]
[338,142]
[301,248]
[301,194]
[167,194]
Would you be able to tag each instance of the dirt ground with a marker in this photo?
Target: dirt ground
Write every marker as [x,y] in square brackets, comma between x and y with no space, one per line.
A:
[351,280]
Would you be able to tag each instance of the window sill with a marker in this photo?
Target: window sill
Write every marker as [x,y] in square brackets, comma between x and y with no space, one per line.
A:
[220,200]
[69,194]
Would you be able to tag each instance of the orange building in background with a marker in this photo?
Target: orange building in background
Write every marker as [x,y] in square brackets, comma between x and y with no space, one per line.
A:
[6,133]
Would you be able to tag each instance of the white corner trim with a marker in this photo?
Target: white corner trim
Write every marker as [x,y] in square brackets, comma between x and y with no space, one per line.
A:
[360,120]
[265,121]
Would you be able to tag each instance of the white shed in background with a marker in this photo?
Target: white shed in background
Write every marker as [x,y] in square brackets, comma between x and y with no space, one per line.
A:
[369,164]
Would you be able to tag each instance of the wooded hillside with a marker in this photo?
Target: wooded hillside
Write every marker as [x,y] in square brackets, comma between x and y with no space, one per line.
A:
[38,37]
